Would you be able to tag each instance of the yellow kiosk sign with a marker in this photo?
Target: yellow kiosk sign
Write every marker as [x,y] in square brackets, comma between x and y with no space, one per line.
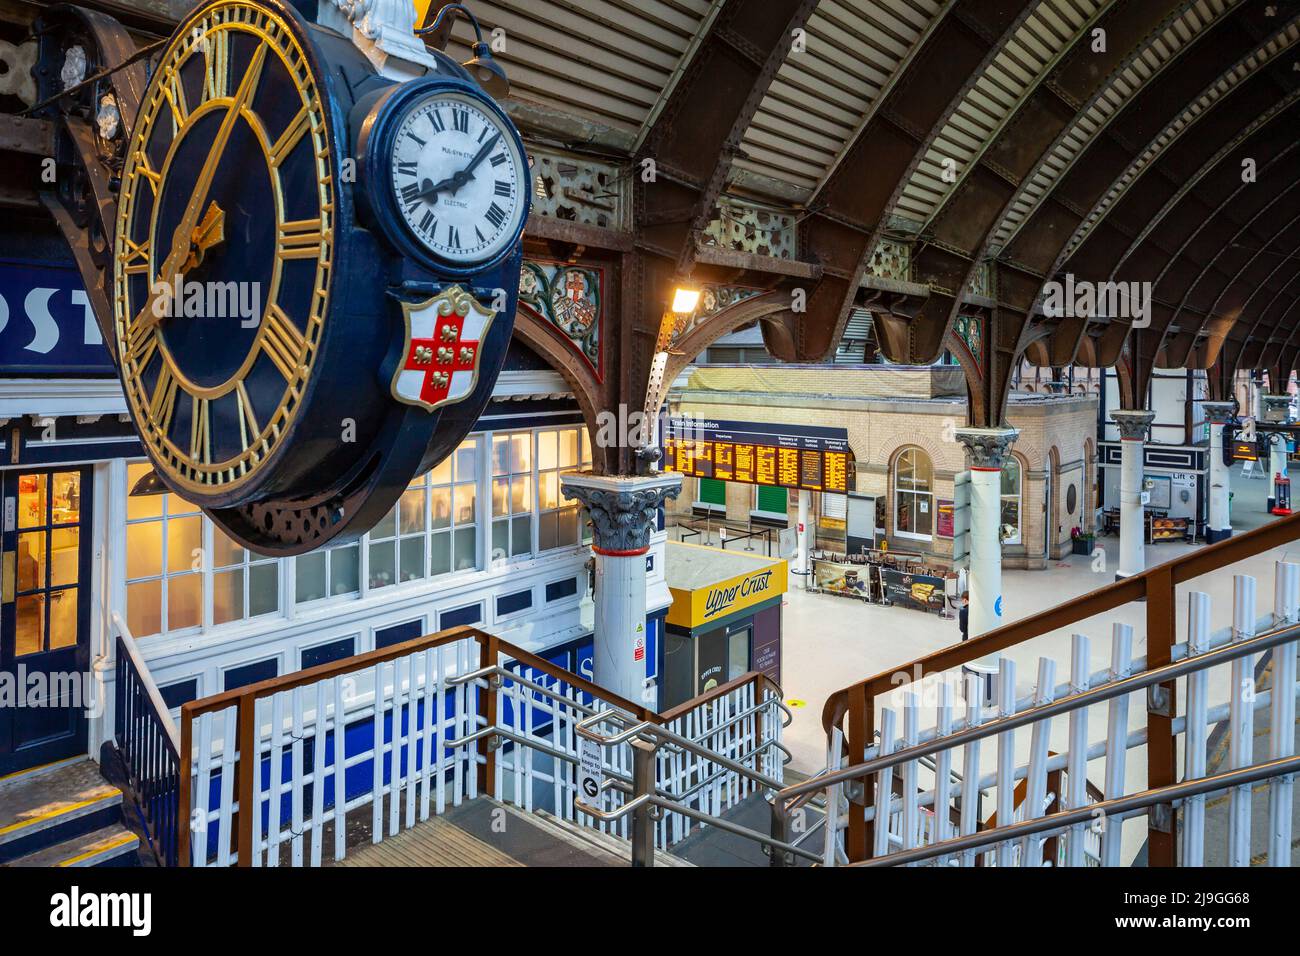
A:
[690,609]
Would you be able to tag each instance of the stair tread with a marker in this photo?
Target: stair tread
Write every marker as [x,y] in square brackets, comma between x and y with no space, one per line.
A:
[33,801]
[607,843]
[87,849]
[434,842]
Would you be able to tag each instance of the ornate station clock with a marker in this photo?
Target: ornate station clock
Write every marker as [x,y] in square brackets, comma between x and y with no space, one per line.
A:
[227,234]
[270,339]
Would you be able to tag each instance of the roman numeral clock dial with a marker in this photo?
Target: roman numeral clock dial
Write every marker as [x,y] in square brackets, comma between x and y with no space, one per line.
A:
[458,178]
[224,249]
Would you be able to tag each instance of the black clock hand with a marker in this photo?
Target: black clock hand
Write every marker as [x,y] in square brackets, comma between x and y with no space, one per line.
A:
[454,182]
[468,171]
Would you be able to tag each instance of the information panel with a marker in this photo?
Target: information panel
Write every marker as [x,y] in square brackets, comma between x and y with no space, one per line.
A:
[758,453]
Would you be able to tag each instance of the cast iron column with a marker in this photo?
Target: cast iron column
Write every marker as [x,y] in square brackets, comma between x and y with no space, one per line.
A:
[623,512]
[987,449]
[1218,523]
[1133,425]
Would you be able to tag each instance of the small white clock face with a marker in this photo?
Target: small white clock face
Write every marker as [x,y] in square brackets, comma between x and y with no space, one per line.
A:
[458,178]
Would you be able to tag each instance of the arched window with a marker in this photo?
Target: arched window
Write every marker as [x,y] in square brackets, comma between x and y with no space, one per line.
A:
[913,487]
[1011,501]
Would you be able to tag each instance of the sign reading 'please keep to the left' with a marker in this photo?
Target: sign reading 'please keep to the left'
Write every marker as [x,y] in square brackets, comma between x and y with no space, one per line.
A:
[46,323]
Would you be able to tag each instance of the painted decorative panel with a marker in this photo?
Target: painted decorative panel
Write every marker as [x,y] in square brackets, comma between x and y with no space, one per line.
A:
[891,260]
[981,282]
[749,228]
[970,329]
[571,299]
[578,189]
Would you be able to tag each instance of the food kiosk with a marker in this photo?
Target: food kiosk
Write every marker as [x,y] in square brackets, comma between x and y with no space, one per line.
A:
[725,619]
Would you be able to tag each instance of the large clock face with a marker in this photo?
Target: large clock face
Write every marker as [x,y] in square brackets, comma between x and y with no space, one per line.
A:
[458,177]
[223,249]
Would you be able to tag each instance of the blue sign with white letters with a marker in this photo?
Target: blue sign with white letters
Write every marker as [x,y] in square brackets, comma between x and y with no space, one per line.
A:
[46,323]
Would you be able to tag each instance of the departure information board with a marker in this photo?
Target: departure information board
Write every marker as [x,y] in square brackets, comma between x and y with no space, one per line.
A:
[759,453]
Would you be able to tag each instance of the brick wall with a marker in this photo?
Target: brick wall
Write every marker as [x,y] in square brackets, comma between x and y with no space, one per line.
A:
[1057,436]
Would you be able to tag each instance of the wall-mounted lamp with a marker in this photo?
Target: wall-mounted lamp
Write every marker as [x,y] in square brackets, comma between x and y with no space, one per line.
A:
[685,300]
[482,65]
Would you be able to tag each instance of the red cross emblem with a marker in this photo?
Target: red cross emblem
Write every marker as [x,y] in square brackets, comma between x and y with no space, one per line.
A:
[443,342]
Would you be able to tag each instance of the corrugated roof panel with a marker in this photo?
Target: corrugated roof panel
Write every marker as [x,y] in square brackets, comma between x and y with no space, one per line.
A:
[1094,118]
[628,56]
[1043,37]
[854,48]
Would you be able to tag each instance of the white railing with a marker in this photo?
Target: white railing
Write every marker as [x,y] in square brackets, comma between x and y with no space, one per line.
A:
[1225,661]
[426,730]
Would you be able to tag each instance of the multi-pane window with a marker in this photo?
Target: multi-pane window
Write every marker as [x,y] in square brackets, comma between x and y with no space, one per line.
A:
[164,561]
[176,561]
[558,451]
[243,584]
[433,528]
[48,561]
[1010,530]
[913,486]
[329,572]
[512,494]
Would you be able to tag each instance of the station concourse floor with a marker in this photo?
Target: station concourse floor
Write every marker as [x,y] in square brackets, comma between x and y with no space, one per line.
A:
[830,642]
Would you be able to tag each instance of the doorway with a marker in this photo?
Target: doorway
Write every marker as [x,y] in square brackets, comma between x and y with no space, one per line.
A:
[45,615]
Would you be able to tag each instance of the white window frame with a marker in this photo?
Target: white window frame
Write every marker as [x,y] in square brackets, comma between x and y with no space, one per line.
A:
[915,495]
[1019,497]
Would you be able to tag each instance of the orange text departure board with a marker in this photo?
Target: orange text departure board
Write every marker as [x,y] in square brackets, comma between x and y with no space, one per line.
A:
[809,457]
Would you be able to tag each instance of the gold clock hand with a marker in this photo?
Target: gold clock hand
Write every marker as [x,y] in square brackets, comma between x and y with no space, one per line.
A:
[183,236]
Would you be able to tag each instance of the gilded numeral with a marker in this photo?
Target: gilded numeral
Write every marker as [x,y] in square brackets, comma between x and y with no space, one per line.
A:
[135,259]
[300,239]
[163,402]
[174,90]
[146,170]
[200,430]
[139,344]
[216,74]
[290,137]
[282,342]
[247,419]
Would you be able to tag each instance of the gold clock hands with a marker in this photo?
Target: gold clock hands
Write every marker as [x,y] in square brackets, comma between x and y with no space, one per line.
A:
[173,266]
[211,231]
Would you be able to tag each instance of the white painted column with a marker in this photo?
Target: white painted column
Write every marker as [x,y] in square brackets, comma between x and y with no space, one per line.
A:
[803,549]
[623,512]
[1218,524]
[1133,425]
[987,449]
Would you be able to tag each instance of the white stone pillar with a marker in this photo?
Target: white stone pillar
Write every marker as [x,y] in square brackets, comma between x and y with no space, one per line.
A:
[801,565]
[623,512]
[1218,524]
[1133,425]
[987,449]
[1277,408]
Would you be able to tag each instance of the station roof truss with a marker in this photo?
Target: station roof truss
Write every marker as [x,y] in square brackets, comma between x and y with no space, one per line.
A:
[938,163]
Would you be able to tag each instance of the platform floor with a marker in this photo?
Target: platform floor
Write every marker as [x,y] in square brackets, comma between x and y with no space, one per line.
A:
[830,641]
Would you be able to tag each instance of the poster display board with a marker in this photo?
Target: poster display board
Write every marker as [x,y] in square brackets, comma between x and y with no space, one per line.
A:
[921,592]
[808,457]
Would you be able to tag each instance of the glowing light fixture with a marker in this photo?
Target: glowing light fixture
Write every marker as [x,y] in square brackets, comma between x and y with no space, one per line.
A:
[685,300]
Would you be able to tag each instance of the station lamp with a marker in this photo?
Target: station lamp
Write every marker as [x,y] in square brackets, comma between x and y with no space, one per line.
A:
[482,65]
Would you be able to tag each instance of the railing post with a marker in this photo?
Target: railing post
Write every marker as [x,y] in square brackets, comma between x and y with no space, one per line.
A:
[643,784]
[488,652]
[1162,706]
[245,774]
[184,811]
[780,830]
[862,718]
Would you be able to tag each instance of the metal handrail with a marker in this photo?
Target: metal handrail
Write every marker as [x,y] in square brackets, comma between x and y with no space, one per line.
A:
[663,735]
[1115,809]
[647,799]
[163,712]
[1095,695]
